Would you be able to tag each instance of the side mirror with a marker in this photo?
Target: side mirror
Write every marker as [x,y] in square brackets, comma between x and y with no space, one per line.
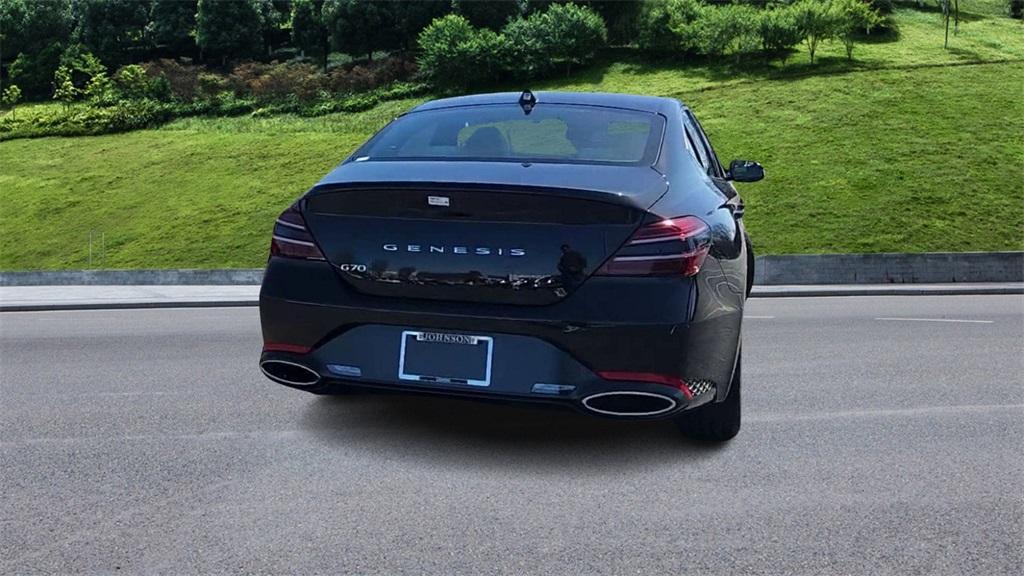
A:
[745,171]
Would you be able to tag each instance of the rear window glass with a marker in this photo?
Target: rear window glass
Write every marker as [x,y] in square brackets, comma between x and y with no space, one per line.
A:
[551,133]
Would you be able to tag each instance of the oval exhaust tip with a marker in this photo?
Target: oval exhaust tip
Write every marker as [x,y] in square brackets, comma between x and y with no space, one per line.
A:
[629,403]
[289,372]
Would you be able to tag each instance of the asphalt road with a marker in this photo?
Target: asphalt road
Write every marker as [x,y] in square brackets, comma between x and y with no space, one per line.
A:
[876,441]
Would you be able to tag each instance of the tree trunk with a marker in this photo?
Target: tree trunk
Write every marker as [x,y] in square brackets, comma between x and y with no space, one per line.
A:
[956,17]
[326,48]
[945,44]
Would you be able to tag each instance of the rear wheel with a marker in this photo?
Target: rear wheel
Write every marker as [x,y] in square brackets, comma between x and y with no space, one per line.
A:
[717,421]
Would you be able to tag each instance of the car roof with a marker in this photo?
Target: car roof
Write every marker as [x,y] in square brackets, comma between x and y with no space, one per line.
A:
[652,104]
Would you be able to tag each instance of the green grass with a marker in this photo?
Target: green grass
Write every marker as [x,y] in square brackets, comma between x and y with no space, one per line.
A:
[910,148]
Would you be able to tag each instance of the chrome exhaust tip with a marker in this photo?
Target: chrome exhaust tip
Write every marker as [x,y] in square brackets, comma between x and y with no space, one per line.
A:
[289,373]
[629,403]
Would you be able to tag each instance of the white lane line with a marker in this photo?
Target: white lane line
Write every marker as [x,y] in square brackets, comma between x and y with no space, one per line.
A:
[748,316]
[938,320]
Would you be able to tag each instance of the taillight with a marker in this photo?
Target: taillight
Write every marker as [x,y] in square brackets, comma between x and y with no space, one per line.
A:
[674,246]
[291,237]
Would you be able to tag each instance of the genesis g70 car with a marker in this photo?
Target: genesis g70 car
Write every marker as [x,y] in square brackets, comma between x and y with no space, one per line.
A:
[584,250]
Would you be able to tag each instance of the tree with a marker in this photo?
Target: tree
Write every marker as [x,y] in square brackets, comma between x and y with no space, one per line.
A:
[410,18]
[728,28]
[493,14]
[361,27]
[10,98]
[854,17]
[670,26]
[950,8]
[779,31]
[817,21]
[114,30]
[622,17]
[229,28]
[172,26]
[32,37]
[64,89]
[1015,8]
[309,30]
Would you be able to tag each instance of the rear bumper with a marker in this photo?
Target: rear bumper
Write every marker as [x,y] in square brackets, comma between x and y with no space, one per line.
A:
[610,324]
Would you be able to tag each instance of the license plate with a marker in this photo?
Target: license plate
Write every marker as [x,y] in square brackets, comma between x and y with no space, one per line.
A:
[445,358]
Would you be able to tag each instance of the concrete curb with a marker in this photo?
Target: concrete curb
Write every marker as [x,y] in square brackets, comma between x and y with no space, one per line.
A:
[933,267]
[816,269]
[167,277]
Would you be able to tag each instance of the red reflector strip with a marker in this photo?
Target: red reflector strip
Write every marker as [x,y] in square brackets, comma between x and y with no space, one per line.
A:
[673,381]
[282,347]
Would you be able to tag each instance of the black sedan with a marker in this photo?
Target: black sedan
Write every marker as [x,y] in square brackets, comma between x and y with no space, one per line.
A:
[583,250]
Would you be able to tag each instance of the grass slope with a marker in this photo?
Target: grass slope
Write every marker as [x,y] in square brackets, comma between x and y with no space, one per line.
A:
[911,148]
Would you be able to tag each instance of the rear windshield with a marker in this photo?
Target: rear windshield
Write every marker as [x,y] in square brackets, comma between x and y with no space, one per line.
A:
[550,133]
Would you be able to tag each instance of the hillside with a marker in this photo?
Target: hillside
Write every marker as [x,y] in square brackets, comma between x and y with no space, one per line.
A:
[908,148]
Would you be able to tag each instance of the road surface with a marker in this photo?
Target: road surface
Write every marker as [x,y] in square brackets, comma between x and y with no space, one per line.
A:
[882,435]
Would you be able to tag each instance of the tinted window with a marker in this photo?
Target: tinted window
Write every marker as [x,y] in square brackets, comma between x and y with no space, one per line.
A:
[695,148]
[715,164]
[551,133]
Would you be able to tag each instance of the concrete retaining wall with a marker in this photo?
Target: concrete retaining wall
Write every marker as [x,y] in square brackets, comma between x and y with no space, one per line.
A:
[927,268]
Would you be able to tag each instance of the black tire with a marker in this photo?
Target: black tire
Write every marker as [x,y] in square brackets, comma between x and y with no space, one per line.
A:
[750,265]
[717,421]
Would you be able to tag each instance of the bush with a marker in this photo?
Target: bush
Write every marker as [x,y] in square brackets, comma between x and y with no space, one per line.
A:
[132,82]
[123,116]
[277,82]
[445,52]
[100,90]
[671,26]
[731,28]
[526,43]
[210,85]
[10,97]
[370,75]
[182,80]
[779,31]
[571,34]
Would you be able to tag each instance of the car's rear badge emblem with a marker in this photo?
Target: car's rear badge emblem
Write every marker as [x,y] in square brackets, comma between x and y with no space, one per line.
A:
[438,201]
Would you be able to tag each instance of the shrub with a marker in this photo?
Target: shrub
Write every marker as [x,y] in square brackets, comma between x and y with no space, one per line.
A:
[526,43]
[779,31]
[100,90]
[90,120]
[370,75]
[210,85]
[10,98]
[653,31]
[445,52]
[730,28]
[277,82]
[64,89]
[132,82]
[670,26]
[182,80]
[571,34]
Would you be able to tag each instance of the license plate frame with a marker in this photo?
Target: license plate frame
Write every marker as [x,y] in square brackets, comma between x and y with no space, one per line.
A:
[445,339]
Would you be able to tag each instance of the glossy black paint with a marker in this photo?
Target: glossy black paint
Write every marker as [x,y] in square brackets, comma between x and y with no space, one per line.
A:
[513,255]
